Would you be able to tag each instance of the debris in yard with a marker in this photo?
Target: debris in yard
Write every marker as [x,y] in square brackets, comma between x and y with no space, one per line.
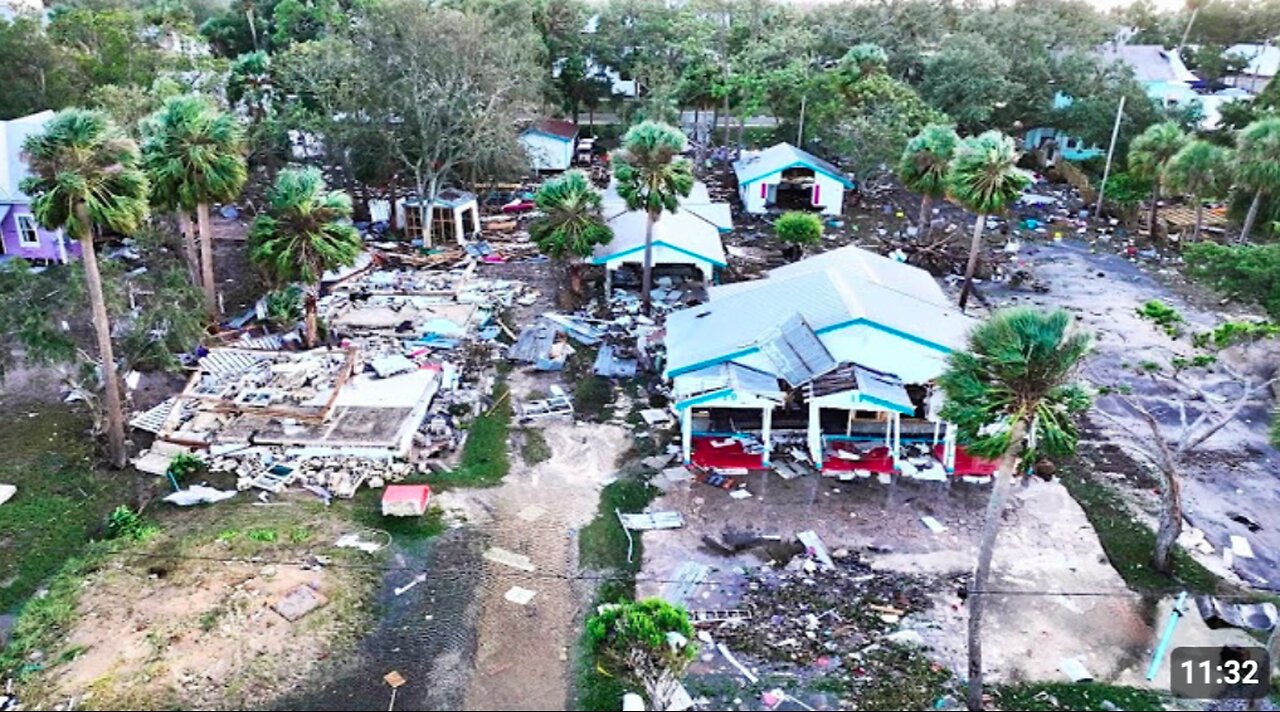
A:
[657,462]
[728,655]
[687,579]
[298,602]
[816,548]
[655,416]
[400,590]
[1075,670]
[646,521]
[1240,547]
[509,558]
[741,493]
[933,524]
[706,617]
[353,541]
[519,595]
[1220,614]
[405,500]
[195,494]
[7,492]
[558,404]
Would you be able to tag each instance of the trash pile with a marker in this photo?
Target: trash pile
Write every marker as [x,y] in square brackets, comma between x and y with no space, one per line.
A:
[808,614]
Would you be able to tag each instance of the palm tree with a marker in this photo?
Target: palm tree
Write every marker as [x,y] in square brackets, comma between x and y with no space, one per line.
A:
[85,172]
[1010,397]
[195,156]
[1201,170]
[1258,164]
[304,232]
[923,167]
[572,224]
[1149,153]
[984,178]
[651,177]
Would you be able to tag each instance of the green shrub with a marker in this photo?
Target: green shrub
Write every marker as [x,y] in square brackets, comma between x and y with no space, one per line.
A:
[1165,316]
[124,523]
[284,307]
[1250,273]
[592,397]
[185,465]
[799,228]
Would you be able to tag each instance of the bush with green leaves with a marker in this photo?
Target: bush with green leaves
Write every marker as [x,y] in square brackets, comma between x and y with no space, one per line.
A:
[1250,273]
[648,643]
[799,228]
[284,307]
[124,523]
[1165,316]
[185,465]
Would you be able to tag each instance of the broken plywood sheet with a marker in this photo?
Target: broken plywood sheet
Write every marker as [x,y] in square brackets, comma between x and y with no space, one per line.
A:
[688,578]
[646,521]
[502,556]
[298,602]
[519,595]
[7,492]
[814,545]
[153,420]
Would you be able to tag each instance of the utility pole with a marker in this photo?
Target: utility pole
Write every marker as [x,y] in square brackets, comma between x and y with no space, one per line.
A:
[804,98]
[1111,150]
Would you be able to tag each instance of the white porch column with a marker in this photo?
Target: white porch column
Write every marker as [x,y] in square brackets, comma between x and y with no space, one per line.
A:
[937,425]
[766,414]
[608,282]
[897,438]
[848,423]
[949,449]
[888,431]
[459,230]
[815,431]
[686,434]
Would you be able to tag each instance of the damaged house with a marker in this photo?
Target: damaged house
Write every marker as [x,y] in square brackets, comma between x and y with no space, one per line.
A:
[788,178]
[834,355]
[687,244]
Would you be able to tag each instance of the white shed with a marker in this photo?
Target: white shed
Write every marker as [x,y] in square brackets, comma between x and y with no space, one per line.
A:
[787,177]
[680,238]
[550,144]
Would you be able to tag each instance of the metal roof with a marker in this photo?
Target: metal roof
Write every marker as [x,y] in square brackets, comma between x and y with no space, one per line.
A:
[754,165]
[1150,63]
[883,389]
[556,128]
[1264,59]
[683,231]
[796,352]
[829,294]
[725,375]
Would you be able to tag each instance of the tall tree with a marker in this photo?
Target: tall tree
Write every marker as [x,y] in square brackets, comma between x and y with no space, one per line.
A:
[1148,156]
[969,80]
[653,178]
[304,231]
[985,179]
[1011,396]
[924,164]
[1201,170]
[86,173]
[1258,165]
[195,155]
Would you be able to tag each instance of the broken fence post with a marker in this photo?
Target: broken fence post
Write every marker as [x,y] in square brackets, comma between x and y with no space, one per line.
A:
[630,541]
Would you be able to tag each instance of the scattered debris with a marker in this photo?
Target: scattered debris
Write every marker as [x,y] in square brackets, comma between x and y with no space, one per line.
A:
[7,492]
[509,558]
[646,521]
[195,494]
[405,500]
[933,524]
[1075,670]
[816,548]
[353,541]
[298,602]
[1250,616]
[520,596]
[400,590]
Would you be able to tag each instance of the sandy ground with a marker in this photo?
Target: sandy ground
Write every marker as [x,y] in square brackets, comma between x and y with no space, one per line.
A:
[1060,598]
[523,651]
[197,633]
[1234,472]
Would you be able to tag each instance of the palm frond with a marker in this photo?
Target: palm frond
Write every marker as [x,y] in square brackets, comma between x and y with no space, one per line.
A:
[984,176]
[927,158]
[194,153]
[650,174]
[1258,154]
[1152,149]
[305,229]
[572,223]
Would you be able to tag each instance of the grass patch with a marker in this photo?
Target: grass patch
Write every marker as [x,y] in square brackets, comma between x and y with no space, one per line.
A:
[1076,696]
[535,448]
[914,682]
[484,456]
[366,510]
[593,399]
[602,545]
[63,499]
[1129,543]
[45,618]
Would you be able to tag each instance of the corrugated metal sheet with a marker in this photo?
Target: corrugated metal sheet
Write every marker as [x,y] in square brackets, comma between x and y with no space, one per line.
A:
[797,352]
[885,388]
[226,362]
[754,165]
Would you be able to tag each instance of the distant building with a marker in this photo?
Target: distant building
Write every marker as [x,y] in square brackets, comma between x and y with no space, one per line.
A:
[10,9]
[453,218]
[789,178]
[1263,61]
[550,144]
[20,235]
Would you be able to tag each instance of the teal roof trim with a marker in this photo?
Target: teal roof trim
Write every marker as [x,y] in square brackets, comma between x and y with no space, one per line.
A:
[605,258]
[824,330]
[799,164]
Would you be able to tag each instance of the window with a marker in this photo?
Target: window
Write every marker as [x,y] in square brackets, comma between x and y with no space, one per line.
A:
[28,236]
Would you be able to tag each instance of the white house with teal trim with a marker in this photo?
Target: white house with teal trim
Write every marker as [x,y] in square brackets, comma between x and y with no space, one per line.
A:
[844,338]
[690,236]
[787,177]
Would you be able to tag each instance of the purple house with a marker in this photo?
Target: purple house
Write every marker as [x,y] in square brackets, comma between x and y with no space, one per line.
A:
[20,235]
